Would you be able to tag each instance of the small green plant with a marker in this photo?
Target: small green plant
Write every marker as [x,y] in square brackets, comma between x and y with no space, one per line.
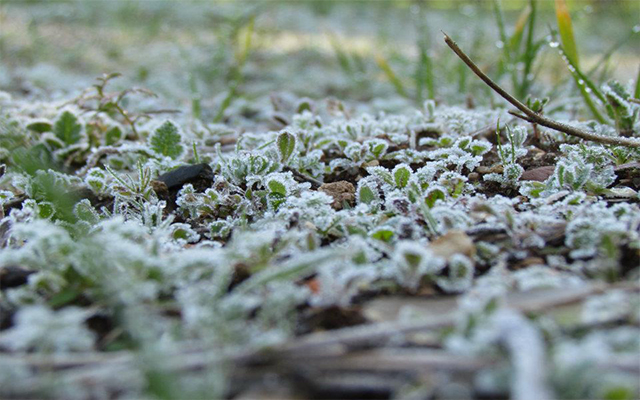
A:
[166,141]
[511,170]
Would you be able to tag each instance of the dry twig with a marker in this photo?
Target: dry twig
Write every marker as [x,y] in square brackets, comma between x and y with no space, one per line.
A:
[532,116]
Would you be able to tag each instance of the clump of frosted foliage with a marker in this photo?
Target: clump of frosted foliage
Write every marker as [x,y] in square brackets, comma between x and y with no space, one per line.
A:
[597,229]
[460,276]
[460,121]
[16,379]
[581,364]
[608,307]
[39,328]
[413,261]
[314,207]
[541,277]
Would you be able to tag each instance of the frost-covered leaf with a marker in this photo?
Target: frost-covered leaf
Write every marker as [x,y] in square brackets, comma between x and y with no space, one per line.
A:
[401,175]
[286,144]
[67,128]
[381,173]
[366,192]
[277,187]
[85,212]
[40,126]
[166,140]
[113,136]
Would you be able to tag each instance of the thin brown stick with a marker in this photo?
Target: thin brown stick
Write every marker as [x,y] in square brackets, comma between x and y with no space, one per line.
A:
[532,116]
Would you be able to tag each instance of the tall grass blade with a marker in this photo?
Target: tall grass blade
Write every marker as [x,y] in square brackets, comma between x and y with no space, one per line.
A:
[585,85]
[499,13]
[391,76]
[565,27]
[518,32]
[244,37]
[604,59]
[512,47]
[341,56]
[583,79]
[530,50]
[424,75]
[586,94]
[636,92]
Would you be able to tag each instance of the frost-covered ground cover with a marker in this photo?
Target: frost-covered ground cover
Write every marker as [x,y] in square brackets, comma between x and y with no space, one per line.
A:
[330,223]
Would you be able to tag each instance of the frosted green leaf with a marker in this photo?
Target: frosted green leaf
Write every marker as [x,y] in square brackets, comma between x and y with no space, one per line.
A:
[381,173]
[277,187]
[113,136]
[85,212]
[366,195]
[286,143]
[67,128]
[434,195]
[401,175]
[165,140]
[46,210]
[384,235]
[479,148]
[39,126]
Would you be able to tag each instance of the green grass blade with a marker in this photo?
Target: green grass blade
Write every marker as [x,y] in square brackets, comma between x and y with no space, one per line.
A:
[244,42]
[391,76]
[424,75]
[590,104]
[585,85]
[518,33]
[530,51]
[636,92]
[603,61]
[244,37]
[565,27]
[499,13]
[341,56]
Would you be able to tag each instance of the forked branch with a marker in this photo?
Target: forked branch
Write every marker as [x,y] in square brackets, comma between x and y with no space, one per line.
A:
[532,116]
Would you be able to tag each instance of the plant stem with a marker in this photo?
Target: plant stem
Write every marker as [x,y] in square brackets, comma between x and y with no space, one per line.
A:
[532,116]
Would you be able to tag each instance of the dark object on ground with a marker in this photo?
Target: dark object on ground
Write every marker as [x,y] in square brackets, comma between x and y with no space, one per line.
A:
[13,276]
[16,202]
[199,175]
[169,184]
[628,175]
[329,318]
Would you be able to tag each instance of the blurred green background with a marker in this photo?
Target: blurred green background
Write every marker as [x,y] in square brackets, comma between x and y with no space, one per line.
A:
[186,50]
